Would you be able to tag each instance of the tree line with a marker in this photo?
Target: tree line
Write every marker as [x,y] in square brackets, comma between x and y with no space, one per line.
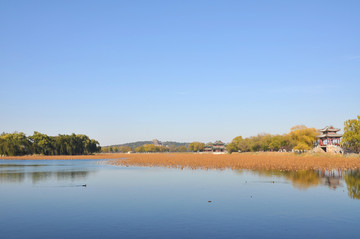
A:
[299,138]
[17,144]
[146,148]
[351,136]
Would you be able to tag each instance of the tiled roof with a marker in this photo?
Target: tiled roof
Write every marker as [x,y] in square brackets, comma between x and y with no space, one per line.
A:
[218,142]
[329,128]
[329,135]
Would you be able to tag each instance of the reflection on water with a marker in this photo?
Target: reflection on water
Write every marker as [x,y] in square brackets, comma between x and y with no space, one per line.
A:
[19,173]
[21,165]
[19,177]
[61,171]
[299,179]
[352,179]
[304,179]
[103,201]
[9,177]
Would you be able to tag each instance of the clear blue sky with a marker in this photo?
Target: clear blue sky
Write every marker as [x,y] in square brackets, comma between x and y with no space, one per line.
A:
[122,71]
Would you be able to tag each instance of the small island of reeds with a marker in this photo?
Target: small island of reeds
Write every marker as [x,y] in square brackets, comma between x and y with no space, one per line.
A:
[261,160]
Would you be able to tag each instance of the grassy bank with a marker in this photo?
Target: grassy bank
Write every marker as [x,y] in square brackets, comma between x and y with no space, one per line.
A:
[268,161]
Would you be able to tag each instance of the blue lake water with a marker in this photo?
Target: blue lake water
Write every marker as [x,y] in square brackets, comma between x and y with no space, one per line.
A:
[48,199]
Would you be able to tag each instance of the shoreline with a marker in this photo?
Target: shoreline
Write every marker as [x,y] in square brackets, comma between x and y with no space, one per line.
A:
[63,157]
[263,160]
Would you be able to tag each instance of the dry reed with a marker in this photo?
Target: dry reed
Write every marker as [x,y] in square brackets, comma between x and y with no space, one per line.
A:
[267,161]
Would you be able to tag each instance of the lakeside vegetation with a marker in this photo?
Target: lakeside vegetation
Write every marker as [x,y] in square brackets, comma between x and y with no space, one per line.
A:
[299,138]
[17,144]
[264,160]
[146,147]
[351,137]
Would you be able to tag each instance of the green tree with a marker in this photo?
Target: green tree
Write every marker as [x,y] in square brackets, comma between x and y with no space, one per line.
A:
[181,149]
[231,147]
[125,149]
[351,137]
[151,148]
[140,149]
[94,146]
[235,145]
[172,148]
[42,144]
[280,142]
[196,146]
[15,144]
[261,142]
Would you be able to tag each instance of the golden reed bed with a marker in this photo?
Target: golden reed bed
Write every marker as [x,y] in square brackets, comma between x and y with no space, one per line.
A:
[268,161]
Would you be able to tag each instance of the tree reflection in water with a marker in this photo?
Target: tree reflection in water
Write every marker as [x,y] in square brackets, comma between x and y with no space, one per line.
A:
[36,177]
[352,179]
[304,179]
[12,177]
[301,179]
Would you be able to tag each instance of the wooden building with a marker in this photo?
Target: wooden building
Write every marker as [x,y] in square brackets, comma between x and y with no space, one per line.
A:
[329,136]
[208,148]
[217,147]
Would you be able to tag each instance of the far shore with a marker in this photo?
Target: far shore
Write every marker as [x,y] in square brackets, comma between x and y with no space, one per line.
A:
[264,160]
[65,157]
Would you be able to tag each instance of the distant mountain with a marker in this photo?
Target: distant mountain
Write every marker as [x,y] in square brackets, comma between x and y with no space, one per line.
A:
[134,145]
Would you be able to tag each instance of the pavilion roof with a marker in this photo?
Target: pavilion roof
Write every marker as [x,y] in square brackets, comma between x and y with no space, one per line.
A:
[329,136]
[218,142]
[329,128]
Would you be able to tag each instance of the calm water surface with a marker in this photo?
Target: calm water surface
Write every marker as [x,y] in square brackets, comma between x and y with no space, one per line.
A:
[48,199]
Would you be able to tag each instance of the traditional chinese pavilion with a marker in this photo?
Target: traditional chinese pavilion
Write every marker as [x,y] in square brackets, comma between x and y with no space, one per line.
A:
[208,148]
[329,136]
[217,147]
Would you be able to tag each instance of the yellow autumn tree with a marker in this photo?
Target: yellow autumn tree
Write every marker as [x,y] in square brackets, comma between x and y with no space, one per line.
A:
[351,137]
[352,179]
[303,137]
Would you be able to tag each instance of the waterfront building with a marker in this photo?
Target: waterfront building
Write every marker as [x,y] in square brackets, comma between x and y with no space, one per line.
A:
[329,136]
[217,147]
[328,140]
[157,142]
[208,148]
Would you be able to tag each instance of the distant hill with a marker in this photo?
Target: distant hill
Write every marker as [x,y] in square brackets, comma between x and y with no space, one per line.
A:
[134,145]
[177,144]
